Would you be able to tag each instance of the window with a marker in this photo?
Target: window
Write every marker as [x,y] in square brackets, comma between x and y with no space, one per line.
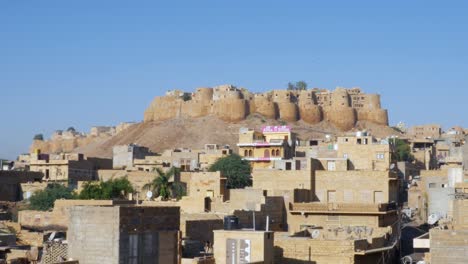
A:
[345,156]
[250,153]
[133,249]
[432,185]
[246,153]
[277,153]
[273,153]
[380,156]
[378,197]
[331,196]
[298,164]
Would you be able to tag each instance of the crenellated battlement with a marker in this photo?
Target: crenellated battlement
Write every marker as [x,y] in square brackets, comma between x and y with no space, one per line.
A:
[342,107]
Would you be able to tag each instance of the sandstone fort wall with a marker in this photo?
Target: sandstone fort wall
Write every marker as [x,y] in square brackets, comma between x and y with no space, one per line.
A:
[341,107]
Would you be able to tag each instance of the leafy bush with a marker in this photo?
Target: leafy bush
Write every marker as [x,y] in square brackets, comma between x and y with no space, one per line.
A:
[45,199]
[106,190]
[235,169]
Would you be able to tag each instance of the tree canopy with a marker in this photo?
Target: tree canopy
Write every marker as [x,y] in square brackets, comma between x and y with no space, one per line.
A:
[298,86]
[162,185]
[44,200]
[402,150]
[105,190]
[236,170]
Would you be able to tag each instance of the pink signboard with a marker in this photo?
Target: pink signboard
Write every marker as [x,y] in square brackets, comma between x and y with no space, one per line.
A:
[276,129]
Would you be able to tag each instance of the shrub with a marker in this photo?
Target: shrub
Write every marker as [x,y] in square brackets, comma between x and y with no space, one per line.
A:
[235,169]
[44,200]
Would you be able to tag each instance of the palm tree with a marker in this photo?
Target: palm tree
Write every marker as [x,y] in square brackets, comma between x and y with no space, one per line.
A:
[162,186]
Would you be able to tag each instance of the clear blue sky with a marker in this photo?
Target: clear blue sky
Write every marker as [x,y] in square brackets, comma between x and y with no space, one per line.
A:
[84,63]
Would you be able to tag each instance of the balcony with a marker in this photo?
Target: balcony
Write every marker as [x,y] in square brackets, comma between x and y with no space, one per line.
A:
[262,158]
[342,208]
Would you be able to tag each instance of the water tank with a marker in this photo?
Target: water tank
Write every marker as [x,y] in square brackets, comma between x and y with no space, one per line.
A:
[231,222]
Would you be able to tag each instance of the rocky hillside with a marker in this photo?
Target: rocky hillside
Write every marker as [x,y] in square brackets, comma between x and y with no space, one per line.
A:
[195,132]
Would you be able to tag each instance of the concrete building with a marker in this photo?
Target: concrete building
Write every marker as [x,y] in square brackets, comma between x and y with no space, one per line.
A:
[58,219]
[433,193]
[448,242]
[124,155]
[274,143]
[424,153]
[184,159]
[243,246]
[124,234]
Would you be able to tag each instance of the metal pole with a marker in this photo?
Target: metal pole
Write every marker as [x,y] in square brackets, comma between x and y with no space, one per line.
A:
[253,212]
[267,223]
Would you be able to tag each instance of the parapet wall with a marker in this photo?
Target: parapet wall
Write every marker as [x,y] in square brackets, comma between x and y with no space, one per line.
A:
[341,107]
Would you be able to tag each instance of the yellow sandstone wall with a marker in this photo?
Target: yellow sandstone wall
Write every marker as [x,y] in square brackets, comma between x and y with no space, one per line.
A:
[344,108]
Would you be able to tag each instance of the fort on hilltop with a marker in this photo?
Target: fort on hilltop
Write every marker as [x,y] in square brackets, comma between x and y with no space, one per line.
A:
[341,107]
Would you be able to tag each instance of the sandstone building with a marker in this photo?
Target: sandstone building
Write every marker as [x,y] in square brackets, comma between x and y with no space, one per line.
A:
[342,107]
[67,168]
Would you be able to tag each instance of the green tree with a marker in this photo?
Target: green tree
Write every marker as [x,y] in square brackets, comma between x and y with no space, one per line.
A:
[162,185]
[402,150]
[44,200]
[38,137]
[105,190]
[298,86]
[235,169]
[301,85]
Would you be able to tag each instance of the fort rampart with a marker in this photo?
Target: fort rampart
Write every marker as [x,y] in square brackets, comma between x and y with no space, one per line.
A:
[341,107]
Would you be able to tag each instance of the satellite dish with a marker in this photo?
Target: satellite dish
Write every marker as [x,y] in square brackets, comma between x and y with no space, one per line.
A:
[392,166]
[315,234]
[149,194]
[433,218]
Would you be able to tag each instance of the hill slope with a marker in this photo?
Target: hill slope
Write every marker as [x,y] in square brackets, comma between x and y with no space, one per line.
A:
[195,132]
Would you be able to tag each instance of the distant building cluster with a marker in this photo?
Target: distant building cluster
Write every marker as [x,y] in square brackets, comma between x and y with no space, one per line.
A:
[344,198]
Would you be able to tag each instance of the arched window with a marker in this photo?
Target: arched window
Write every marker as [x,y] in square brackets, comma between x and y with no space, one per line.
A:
[250,153]
[277,152]
[246,153]
[266,153]
[272,152]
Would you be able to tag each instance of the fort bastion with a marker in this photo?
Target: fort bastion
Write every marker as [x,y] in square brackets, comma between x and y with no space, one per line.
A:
[341,107]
